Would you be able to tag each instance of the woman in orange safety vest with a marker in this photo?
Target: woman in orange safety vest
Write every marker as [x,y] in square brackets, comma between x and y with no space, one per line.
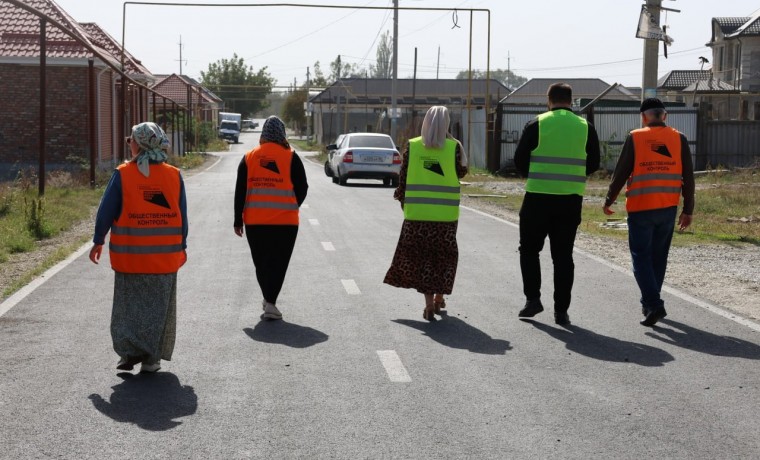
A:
[145,209]
[271,185]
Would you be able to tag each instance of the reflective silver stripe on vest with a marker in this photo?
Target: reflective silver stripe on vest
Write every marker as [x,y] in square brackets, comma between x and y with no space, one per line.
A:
[154,231]
[558,160]
[272,192]
[655,176]
[551,176]
[441,201]
[158,249]
[431,188]
[648,190]
[271,205]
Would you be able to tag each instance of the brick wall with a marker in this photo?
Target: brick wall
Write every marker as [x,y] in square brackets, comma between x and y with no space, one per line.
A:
[67,127]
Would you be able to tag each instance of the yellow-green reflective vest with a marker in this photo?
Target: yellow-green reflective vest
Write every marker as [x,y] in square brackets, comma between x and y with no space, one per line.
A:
[432,186]
[558,164]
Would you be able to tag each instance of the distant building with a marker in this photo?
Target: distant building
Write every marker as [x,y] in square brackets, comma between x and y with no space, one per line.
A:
[533,91]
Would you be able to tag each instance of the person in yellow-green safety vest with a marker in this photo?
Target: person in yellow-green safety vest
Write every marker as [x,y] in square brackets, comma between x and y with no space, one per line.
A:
[556,152]
[427,255]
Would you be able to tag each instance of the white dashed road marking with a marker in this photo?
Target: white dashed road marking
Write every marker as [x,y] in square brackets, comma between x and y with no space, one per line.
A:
[393,366]
[314,222]
[328,246]
[351,287]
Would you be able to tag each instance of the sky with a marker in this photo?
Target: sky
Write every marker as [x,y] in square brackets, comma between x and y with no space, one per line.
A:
[534,38]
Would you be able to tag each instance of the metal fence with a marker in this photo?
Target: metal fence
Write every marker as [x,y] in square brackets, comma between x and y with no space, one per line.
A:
[612,126]
[729,143]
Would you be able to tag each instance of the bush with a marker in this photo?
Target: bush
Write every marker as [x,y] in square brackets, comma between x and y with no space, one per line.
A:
[35,218]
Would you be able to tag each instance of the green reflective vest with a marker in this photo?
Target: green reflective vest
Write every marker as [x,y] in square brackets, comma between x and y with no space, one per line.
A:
[558,164]
[432,186]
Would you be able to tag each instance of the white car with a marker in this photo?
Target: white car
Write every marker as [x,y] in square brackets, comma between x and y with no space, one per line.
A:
[363,156]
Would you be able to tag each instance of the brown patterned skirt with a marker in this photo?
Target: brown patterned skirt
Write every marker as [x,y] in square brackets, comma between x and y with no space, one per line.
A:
[426,257]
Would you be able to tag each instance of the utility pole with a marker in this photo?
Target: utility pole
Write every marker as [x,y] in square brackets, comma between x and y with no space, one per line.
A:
[509,71]
[395,70]
[180,54]
[651,50]
[309,114]
[438,62]
[652,46]
[339,129]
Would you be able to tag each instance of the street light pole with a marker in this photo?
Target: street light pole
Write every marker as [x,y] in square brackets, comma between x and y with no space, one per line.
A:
[395,70]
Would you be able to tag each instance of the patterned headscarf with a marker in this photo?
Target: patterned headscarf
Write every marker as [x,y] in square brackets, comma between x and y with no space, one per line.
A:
[153,144]
[274,131]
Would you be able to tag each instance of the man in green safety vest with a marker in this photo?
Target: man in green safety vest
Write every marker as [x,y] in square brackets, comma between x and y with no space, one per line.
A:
[556,152]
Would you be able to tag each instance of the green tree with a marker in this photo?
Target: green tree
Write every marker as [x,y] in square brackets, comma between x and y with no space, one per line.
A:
[293,111]
[507,77]
[242,89]
[347,70]
[383,68]
[319,79]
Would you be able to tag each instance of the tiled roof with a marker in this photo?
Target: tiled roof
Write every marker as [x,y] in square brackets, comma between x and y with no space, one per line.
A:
[711,86]
[534,90]
[729,25]
[733,27]
[175,87]
[107,42]
[20,32]
[378,91]
[749,28]
[680,79]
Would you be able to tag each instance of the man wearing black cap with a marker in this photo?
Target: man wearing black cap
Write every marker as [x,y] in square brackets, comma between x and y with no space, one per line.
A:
[655,165]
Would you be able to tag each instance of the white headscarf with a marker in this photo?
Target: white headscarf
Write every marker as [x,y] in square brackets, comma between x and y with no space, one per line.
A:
[435,130]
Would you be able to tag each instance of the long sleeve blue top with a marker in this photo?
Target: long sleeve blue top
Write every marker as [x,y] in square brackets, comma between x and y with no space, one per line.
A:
[110,209]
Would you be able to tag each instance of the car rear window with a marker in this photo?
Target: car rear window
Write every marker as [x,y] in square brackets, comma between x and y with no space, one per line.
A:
[378,142]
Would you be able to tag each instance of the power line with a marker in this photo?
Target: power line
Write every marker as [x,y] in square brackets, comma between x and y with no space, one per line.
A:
[310,33]
[580,66]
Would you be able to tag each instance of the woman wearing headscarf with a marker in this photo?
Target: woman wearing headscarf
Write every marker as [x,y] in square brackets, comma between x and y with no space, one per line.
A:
[427,255]
[145,209]
[271,185]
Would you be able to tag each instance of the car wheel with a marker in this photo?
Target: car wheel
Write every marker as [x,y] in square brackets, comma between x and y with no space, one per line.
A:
[335,179]
[342,179]
[328,171]
[387,181]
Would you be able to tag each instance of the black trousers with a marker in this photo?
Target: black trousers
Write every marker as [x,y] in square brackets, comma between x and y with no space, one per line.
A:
[271,248]
[558,217]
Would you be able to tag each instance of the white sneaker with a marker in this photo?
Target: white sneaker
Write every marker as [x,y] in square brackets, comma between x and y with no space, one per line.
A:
[271,312]
[150,367]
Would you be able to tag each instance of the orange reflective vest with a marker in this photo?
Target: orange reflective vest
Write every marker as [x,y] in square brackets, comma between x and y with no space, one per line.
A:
[269,198]
[656,179]
[147,236]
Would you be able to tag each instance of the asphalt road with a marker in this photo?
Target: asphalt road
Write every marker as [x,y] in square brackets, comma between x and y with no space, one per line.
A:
[353,371]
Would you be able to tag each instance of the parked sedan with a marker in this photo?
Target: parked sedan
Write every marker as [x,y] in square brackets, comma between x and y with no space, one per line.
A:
[364,156]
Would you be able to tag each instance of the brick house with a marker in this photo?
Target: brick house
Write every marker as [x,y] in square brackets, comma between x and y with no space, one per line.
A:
[71,63]
[203,104]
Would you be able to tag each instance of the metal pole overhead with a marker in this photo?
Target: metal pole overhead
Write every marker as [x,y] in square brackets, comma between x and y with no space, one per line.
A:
[43,103]
[394,81]
[469,94]
[93,118]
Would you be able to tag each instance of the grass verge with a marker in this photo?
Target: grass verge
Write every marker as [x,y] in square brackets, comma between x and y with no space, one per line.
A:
[727,206]
[307,146]
[53,258]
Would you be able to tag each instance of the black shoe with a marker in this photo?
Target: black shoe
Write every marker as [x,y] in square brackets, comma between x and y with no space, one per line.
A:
[127,364]
[652,317]
[561,318]
[531,309]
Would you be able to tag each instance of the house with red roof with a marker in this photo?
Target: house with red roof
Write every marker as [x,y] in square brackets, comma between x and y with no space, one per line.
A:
[85,114]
